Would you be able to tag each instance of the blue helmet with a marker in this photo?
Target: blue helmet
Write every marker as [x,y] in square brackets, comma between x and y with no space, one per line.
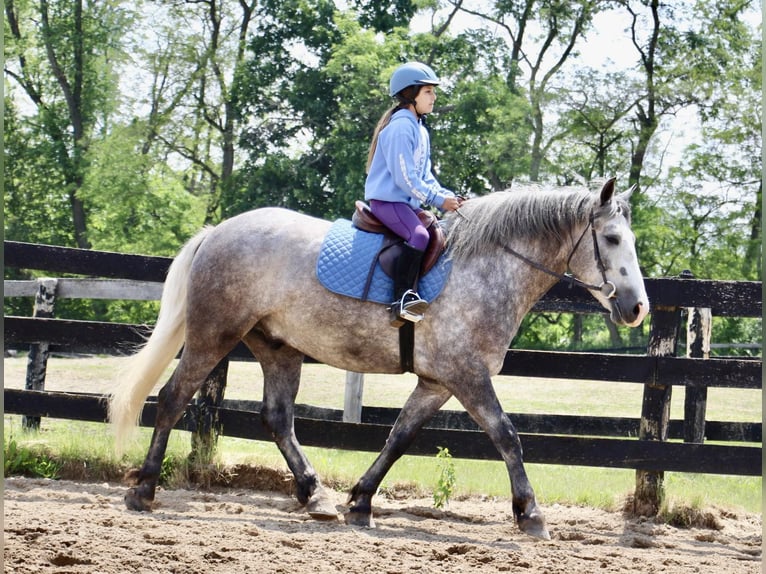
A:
[411,74]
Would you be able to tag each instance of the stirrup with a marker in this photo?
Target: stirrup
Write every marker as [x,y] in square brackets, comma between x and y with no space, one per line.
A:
[409,308]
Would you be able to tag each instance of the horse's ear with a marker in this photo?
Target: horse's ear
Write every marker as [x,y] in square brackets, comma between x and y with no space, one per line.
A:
[626,194]
[607,191]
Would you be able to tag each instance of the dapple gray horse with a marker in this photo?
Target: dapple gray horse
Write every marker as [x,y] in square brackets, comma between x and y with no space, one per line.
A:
[252,279]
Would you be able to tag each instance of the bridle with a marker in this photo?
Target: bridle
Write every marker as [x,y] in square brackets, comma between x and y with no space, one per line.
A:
[607,288]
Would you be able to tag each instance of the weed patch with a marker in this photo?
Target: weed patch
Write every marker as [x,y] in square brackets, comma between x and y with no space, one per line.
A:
[24,460]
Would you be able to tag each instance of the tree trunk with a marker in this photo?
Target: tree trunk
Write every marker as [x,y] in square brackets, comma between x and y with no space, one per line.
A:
[646,113]
[754,253]
[72,90]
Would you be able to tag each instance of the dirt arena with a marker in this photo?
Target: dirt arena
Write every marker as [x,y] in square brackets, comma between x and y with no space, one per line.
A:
[75,527]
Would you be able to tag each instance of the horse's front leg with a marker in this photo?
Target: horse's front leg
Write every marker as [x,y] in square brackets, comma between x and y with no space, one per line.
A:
[422,404]
[482,404]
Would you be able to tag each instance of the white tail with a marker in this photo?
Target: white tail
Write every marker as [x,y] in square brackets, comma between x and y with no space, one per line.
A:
[138,377]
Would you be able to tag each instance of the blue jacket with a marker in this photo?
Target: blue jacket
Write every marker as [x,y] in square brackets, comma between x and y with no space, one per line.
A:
[401,165]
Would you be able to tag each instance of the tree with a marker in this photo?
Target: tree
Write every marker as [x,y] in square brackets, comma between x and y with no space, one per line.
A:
[138,204]
[62,55]
[716,187]
[385,16]
[537,59]
[193,117]
[593,137]
[683,66]
[287,98]
[35,208]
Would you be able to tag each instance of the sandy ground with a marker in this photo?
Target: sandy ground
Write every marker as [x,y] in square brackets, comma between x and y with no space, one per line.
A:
[74,527]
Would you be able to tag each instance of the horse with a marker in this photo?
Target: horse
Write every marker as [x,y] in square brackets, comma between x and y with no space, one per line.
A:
[252,278]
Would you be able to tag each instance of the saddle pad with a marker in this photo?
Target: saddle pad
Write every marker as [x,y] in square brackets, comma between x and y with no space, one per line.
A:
[347,256]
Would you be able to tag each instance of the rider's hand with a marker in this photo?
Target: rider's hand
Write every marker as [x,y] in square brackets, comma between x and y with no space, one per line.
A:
[451,204]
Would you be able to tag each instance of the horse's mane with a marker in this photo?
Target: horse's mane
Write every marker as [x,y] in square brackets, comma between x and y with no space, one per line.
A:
[522,213]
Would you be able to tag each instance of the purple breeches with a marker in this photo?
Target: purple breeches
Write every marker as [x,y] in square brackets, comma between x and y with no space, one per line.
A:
[402,220]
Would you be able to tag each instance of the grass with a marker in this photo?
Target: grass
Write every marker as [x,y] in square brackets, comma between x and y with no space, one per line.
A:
[87,447]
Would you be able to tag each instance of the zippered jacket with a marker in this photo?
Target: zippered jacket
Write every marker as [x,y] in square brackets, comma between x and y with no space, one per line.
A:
[401,165]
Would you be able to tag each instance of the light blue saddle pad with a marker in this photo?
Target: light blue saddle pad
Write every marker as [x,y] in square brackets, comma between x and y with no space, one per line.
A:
[348,254]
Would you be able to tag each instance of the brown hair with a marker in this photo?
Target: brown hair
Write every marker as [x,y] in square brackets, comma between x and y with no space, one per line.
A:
[405,97]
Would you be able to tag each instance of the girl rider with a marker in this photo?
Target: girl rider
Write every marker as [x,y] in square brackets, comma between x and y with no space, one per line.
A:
[399,180]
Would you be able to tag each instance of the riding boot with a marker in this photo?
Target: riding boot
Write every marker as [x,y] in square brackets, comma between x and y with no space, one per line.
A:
[407,305]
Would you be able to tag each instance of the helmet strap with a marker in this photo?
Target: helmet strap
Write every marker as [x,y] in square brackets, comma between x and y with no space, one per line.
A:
[406,104]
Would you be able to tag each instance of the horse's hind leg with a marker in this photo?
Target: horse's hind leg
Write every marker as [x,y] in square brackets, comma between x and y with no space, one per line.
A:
[422,404]
[173,398]
[281,367]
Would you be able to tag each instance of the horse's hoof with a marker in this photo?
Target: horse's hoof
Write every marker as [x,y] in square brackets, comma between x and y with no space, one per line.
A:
[363,519]
[321,507]
[534,525]
[138,503]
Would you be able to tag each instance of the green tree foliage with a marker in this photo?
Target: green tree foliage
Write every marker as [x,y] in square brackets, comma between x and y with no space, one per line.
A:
[594,137]
[62,55]
[138,204]
[287,98]
[706,210]
[482,140]
[35,203]
[385,16]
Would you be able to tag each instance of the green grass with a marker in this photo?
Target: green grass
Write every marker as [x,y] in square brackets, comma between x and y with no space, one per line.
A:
[88,446]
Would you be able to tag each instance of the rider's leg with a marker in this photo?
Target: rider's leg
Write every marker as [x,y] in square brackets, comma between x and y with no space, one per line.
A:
[403,220]
[407,304]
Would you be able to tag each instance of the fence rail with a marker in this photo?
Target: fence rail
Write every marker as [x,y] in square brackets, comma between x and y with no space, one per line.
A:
[325,428]
[553,439]
[120,338]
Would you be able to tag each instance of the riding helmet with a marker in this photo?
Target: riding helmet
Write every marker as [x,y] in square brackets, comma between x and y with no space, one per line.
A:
[412,74]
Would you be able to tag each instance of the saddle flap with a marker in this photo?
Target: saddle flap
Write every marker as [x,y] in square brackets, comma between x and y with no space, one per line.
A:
[347,255]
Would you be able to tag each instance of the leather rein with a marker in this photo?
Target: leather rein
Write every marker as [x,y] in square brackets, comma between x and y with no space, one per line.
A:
[607,288]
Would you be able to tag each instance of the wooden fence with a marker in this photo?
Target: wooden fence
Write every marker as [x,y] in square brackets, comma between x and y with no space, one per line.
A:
[553,439]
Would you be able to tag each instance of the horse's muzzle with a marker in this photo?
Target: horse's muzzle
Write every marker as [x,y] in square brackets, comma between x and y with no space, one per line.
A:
[631,314]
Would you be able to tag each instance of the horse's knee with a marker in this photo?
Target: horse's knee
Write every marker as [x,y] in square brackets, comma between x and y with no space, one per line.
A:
[275,419]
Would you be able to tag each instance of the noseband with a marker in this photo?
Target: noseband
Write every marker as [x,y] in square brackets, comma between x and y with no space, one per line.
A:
[607,288]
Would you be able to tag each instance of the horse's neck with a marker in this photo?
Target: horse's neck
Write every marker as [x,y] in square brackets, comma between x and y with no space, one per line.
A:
[529,277]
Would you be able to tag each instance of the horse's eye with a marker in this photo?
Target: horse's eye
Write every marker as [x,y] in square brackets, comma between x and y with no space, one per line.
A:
[612,239]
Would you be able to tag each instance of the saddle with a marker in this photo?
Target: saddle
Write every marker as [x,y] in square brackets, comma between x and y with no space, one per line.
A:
[364,219]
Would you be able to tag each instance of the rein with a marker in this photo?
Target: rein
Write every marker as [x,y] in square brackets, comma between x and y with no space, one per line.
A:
[570,278]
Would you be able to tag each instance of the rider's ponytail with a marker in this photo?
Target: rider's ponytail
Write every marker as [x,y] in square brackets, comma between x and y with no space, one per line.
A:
[405,98]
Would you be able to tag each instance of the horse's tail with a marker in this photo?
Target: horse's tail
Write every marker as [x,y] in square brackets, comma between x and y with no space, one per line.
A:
[138,377]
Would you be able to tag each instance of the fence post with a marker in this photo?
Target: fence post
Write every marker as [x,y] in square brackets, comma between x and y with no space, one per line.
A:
[352,400]
[37,361]
[206,422]
[698,335]
[655,410]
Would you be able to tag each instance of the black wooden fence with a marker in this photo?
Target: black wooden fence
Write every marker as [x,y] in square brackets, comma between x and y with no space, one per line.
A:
[554,439]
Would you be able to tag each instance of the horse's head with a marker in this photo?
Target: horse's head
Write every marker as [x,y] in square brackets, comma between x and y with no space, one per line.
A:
[606,256]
